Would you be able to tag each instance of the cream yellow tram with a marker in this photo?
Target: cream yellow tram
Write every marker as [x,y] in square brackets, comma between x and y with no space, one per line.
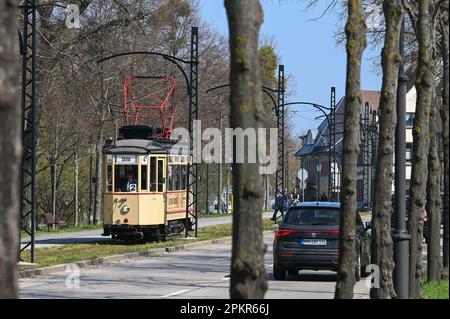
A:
[145,187]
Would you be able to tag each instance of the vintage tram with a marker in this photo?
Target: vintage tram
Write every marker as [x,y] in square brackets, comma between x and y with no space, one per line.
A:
[144,193]
[145,186]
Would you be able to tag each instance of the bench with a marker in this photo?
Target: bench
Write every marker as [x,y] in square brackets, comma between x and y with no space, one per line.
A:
[50,221]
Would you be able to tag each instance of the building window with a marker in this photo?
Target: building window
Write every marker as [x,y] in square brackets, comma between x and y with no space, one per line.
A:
[410,119]
[409,152]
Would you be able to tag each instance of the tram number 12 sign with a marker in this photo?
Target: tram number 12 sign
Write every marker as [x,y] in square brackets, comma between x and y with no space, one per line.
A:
[126,159]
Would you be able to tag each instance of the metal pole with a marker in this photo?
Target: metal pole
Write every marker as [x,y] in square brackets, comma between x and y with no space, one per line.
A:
[318,181]
[192,168]
[332,150]
[318,178]
[281,173]
[400,233]
[303,182]
[265,192]
[91,209]
[207,189]
[29,133]
[228,189]
[373,155]
[219,173]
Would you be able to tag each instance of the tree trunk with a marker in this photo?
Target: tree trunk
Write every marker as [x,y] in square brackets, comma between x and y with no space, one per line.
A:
[445,132]
[219,173]
[10,149]
[424,82]
[76,169]
[54,173]
[248,276]
[434,265]
[91,201]
[382,254]
[98,177]
[356,42]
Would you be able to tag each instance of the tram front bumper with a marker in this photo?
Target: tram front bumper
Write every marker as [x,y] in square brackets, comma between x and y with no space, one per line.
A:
[123,231]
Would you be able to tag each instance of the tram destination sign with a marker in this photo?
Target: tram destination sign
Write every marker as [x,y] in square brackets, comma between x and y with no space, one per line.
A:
[126,159]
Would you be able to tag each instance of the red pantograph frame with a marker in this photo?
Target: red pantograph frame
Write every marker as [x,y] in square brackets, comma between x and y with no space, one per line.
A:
[165,109]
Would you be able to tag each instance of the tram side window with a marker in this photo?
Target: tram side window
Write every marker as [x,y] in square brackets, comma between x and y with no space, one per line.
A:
[177,177]
[170,178]
[160,176]
[109,178]
[126,178]
[183,176]
[153,174]
[143,177]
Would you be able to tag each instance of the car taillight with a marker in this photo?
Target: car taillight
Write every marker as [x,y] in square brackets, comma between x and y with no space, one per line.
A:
[284,232]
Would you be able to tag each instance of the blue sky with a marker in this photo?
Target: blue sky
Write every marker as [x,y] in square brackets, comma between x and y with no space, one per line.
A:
[307,49]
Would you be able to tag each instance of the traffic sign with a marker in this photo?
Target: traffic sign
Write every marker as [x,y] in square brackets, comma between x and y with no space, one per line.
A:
[302,176]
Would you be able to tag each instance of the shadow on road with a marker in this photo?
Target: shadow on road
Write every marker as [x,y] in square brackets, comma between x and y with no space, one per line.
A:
[310,276]
[74,240]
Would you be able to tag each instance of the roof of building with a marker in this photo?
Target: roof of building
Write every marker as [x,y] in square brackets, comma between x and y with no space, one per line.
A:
[321,139]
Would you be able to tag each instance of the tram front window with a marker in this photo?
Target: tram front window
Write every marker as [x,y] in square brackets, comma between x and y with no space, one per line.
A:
[126,178]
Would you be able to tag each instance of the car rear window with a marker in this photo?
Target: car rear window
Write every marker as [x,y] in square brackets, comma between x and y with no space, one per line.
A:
[313,216]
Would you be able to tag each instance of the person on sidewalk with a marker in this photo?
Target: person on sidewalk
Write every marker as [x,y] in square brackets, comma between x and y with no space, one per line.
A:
[281,204]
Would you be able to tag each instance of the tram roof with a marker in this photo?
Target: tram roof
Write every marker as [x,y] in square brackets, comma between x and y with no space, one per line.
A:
[141,146]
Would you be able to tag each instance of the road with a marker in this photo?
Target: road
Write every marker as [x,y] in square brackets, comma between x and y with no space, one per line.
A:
[88,236]
[199,273]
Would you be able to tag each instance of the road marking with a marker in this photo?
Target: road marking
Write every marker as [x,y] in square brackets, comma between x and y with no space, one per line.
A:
[174,294]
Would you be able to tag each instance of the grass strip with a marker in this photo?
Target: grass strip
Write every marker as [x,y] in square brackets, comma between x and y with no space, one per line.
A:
[435,290]
[76,252]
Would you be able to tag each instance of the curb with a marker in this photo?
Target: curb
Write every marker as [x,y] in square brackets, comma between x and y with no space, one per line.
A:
[39,272]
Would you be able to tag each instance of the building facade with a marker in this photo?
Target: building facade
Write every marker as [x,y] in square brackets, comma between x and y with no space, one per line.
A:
[315,152]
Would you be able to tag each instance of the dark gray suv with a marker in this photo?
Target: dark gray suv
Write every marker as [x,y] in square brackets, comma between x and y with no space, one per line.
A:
[308,238]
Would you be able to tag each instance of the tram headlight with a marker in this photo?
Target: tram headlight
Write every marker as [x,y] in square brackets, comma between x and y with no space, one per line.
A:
[125,209]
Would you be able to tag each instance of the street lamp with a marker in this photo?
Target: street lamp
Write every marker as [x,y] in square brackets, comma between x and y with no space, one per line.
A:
[400,234]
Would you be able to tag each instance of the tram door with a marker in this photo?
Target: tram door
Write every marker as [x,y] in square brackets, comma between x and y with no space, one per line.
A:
[152,207]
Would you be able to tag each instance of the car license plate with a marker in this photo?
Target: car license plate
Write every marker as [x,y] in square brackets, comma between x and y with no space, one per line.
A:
[313,242]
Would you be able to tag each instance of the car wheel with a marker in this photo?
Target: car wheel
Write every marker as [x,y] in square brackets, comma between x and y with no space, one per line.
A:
[358,267]
[293,272]
[279,273]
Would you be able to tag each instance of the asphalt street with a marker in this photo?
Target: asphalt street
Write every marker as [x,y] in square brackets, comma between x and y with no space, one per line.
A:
[88,236]
[202,272]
